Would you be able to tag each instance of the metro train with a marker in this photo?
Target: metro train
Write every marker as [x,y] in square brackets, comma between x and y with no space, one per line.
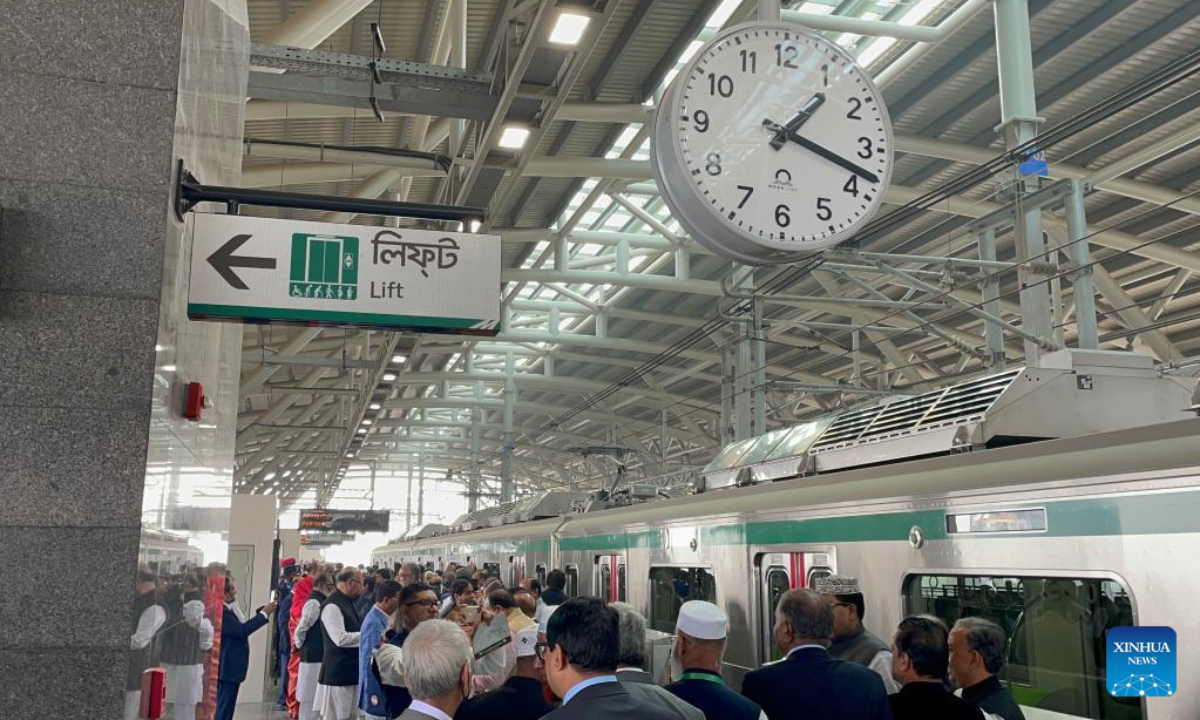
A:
[1057,541]
[166,553]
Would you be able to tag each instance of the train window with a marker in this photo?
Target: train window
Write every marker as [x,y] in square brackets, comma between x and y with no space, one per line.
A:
[491,570]
[778,583]
[540,571]
[572,573]
[1055,626]
[671,587]
[605,580]
[621,582]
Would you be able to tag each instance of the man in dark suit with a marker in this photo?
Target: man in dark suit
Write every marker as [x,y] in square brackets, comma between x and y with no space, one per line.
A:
[920,659]
[520,697]
[809,683]
[580,658]
[977,651]
[556,588]
[235,649]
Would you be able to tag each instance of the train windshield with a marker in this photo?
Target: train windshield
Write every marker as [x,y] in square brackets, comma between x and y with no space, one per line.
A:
[671,587]
[1055,626]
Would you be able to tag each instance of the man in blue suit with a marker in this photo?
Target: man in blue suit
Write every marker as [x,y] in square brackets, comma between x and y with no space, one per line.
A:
[387,601]
[810,683]
[235,649]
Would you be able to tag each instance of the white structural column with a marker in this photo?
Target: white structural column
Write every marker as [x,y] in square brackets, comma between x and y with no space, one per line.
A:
[313,25]
[1019,122]
[1085,298]
[510,402]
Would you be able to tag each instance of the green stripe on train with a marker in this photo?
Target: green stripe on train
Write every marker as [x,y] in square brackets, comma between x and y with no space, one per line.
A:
[1150,514]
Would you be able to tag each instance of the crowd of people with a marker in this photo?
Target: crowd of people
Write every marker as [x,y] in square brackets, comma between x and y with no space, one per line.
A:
[455,644]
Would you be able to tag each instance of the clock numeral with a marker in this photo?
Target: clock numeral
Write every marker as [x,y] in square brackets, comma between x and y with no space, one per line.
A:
[825,75]
[749,191]
[851,186]
[785,56]
[720,85]
[782,219]
[824,212]
[749,61]
[856,106]
[701,119]
[867,149]
[712,164]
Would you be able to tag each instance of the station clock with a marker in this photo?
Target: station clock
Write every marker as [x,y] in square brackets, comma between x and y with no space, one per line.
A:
[771,144]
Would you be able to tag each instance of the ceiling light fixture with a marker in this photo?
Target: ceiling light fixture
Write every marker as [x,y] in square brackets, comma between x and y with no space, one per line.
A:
[375,406]
[168,368]
[569,28]
[514,137]
[399,359]
[389,377]
[366,421]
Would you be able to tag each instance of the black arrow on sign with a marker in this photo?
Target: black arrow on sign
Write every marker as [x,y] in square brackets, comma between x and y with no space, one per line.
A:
[223,261]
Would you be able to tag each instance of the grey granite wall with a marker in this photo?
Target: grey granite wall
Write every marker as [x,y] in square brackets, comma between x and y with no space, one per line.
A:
[88,115]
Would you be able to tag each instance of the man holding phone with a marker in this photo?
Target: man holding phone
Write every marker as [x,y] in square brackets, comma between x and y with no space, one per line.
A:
[235,649]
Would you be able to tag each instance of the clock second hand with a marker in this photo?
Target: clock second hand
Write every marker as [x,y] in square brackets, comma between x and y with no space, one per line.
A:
[823,152]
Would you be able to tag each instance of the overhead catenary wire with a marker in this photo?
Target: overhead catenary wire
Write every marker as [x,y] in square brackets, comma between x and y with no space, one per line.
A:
[1158,81]
[693,409]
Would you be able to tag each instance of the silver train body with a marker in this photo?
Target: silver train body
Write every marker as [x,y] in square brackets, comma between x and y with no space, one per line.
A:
[1058,541]
[166,553]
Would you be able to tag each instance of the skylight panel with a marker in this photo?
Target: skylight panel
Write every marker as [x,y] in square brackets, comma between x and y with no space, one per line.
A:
[722,14]
[919,12]
[691,50]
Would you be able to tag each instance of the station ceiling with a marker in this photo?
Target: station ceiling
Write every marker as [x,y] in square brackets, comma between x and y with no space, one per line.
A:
[318,401]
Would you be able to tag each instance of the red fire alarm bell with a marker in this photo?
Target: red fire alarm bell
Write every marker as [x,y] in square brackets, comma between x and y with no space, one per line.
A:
[154,694]
[194,401]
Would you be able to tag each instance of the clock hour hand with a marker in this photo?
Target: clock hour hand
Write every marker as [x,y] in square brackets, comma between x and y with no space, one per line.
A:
[779,139]
[832,157]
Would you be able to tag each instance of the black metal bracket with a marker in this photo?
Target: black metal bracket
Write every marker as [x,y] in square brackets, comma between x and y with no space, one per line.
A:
[189,192]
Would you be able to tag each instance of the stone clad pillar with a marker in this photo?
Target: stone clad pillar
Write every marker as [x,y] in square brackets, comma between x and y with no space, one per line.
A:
[89,93]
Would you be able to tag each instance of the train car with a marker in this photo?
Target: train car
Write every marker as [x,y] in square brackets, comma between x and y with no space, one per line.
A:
[167,553]
[1056,541]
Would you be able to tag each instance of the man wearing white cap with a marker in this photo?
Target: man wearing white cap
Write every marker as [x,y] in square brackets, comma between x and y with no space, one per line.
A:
[852,641]
[696,664]
[520,697]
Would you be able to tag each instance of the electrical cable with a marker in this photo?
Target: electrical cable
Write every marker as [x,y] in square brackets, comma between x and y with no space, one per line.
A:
[1160,80]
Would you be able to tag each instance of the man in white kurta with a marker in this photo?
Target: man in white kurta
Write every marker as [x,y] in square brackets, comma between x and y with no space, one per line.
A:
[309,645]
[336,696]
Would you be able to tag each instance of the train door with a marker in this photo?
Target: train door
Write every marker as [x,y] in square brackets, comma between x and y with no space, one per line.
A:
[516,570]
[610,577]
[778,573]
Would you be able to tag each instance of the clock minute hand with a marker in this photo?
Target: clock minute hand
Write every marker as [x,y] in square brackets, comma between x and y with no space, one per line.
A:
[833,157]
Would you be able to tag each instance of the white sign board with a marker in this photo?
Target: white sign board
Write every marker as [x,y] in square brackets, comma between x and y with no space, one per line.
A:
[247,269]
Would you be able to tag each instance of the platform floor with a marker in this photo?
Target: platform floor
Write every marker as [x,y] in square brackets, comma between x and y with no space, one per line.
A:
[258,711]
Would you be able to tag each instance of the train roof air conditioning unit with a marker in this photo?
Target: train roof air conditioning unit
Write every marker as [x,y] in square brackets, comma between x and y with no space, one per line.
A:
[1075,392]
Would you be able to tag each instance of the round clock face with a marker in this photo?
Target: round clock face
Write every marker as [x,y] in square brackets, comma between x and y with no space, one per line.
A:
[772,143]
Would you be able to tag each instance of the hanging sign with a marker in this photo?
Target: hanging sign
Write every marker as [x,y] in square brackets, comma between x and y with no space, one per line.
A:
[345,520]
[247,269]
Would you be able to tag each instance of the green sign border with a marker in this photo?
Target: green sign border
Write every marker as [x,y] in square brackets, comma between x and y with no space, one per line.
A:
[334,317]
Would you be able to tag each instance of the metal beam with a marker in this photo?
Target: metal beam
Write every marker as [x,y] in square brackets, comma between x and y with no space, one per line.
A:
[403,99]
